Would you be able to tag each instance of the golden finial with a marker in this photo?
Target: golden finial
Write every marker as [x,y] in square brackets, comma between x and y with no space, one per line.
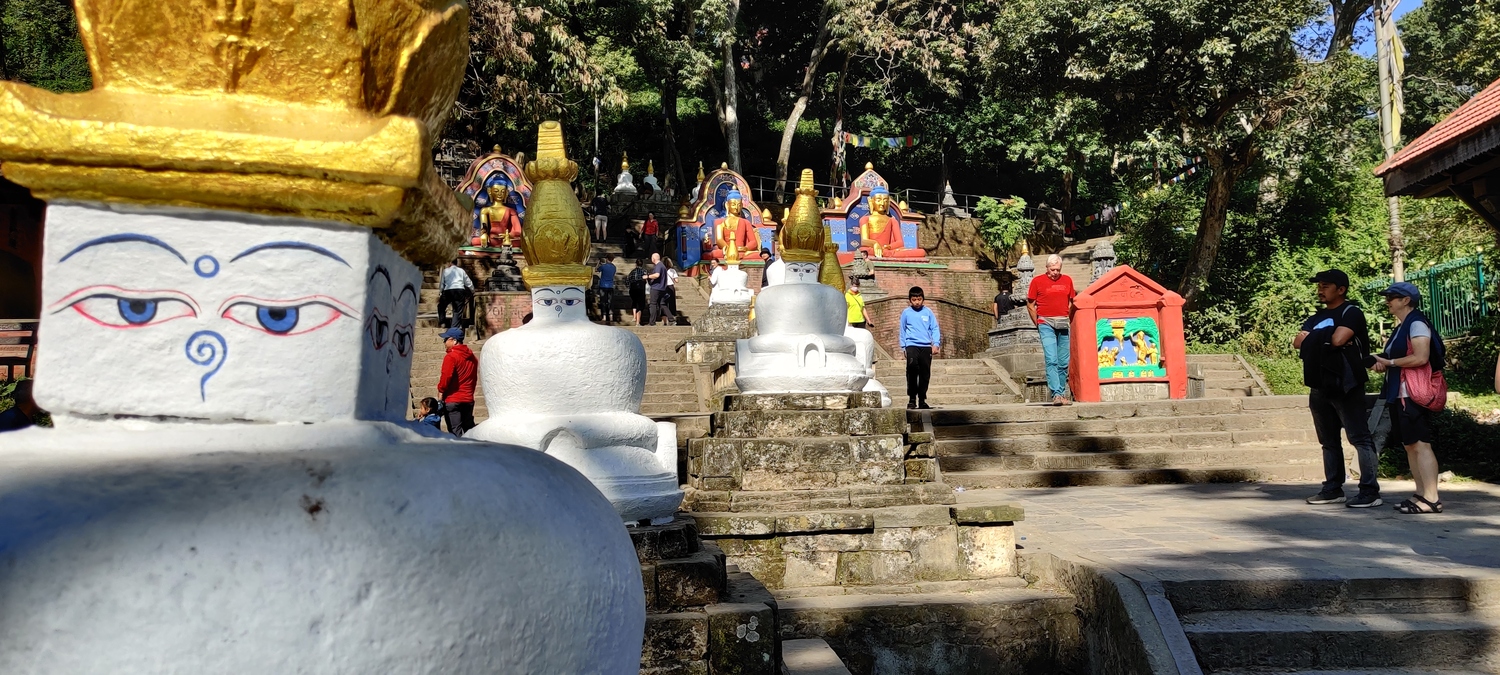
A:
[723,166]
[902,205]
[650,167]
[700,171]
[1025,248]
[765,215]
[869,166]
[557,243]
[684,214]
[321,109]
[624,162]
[831,273]
[802,231]
[496,149]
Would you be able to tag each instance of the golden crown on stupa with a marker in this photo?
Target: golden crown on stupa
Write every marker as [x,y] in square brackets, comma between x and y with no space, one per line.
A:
[322,109]
[802,229]
[557,243]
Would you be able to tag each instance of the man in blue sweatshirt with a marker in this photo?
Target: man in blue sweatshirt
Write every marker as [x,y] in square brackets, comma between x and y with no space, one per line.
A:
[920,337]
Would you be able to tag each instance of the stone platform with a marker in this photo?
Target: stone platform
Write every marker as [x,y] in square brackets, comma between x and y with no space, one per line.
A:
[703,617]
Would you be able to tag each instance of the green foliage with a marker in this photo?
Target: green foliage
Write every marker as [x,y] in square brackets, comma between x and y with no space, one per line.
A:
[7,394]
[1471,360]
[1283,375]
[1003,223]
[1462,444]
[41,46]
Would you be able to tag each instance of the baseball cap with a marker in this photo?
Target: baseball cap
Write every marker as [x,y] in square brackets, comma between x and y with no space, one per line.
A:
[454,332]
[1335,277]
[1402,289]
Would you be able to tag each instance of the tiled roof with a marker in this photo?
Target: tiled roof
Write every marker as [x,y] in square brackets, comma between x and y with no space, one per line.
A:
[1476,114]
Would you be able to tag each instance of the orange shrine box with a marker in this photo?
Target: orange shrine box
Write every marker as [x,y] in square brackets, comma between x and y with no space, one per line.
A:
[1127,340]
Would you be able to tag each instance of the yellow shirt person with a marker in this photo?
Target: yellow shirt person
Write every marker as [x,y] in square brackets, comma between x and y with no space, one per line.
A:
[856,306]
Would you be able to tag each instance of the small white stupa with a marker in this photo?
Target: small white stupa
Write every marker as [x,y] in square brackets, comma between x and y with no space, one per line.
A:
[231,486]
[800,345]
[564,385]
[626,183]
[650,178]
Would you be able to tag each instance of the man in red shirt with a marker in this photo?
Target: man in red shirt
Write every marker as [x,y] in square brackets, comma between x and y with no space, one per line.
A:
[651,232]
[1049,299]
[456,385]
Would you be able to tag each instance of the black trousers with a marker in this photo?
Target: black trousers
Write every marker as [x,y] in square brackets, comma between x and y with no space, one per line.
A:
[607,304]
[459,299]
[460,417]
[918,371]
[1331,412]
[658,305]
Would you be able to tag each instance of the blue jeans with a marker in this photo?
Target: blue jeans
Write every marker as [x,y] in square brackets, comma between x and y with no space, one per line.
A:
[1055,353]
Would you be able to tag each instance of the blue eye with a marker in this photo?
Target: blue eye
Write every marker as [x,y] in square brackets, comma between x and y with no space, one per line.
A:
[277,319]
[137,311]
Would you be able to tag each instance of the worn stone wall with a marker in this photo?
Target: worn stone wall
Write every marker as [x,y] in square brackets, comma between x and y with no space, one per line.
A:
[500,310]
[1120,632]
[878,547]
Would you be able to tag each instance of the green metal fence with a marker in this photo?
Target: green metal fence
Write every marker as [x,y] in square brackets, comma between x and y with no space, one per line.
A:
[1452,293]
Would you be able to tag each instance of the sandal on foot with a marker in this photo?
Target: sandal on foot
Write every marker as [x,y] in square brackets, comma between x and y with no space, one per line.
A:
[1411,508]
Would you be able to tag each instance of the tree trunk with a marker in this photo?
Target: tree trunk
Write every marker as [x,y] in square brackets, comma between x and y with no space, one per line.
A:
[729,116]
[1225,169]
[669,134]
[804,94]
[1346,15]
[835,177]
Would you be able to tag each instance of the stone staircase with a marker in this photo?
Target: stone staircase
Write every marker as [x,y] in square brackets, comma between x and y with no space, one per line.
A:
[427,367]
[1225,375]
[1325,626]
[955,382]
[671,385]
[1078,263]
[1182,441]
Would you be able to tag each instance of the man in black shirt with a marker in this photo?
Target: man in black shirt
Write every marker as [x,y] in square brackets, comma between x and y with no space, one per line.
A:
[1002,304]
[1334,343]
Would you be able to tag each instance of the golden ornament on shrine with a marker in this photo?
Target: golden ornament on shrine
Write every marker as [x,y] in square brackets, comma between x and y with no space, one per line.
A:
[624,162]
[556,242]
[322,109]
[700,171]
[802,231]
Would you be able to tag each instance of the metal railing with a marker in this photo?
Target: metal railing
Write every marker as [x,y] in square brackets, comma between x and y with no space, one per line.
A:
[1452,293]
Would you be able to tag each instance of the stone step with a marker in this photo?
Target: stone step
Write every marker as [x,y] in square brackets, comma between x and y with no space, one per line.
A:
[1118,477]
[954,465]
[1088,411]
[1237,392]
[1212,358]
[684,398]
[1291,640]
[809,423]
[840,498]
[908,633]
[810,657]
[964,586]
[1097,443]
[1287,419]
[1378,593]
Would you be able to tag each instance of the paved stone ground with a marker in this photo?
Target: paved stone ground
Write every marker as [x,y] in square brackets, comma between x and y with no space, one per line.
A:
[1261,530]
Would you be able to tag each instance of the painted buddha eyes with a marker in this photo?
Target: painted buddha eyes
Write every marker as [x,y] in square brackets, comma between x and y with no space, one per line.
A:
[549,302]
[123,308]
[288,317]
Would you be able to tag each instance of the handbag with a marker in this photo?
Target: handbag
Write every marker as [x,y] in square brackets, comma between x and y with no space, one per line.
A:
[1058,323]
[1424,386]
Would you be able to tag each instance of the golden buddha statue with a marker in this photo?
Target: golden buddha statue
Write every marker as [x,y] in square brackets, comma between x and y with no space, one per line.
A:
[734,235]
[881,233]
[498,220]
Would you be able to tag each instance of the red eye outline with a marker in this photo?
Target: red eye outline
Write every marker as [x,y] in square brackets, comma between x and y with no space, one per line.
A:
[338,310]
[77,299]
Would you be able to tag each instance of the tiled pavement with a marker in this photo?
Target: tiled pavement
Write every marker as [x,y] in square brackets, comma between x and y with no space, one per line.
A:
[1261,530]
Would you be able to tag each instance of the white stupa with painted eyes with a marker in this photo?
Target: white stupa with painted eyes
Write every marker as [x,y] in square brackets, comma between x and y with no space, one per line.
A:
[800,344]
[564,385]
[229,303]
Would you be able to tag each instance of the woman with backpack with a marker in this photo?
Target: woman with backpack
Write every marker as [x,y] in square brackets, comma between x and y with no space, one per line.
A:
[1414,391]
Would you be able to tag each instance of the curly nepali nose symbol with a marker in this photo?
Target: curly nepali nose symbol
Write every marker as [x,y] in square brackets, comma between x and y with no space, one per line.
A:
[208,349]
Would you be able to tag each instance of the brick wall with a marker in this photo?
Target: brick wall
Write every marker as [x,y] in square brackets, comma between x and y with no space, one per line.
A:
[965,329]
[498,311]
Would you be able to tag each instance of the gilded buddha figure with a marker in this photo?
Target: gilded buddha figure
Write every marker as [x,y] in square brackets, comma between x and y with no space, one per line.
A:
[498,222]
[880,233]
[734,235]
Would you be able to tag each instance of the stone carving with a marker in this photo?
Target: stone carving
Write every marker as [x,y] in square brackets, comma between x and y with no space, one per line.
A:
[568,387]
[800,345]
[226,346]
[1103,257]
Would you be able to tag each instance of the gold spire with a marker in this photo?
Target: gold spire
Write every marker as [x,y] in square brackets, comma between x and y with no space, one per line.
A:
[765,216]
[684,214]
[869,166]
[724,166]
[321,109]
[700,171]
[556,241]
[650,168]
[802,229]
[624,162]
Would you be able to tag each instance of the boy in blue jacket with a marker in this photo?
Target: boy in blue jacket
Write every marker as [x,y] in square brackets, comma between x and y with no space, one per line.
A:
[920,337]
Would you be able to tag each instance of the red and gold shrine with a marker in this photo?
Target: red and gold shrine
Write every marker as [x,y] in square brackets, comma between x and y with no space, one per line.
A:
[1127,340]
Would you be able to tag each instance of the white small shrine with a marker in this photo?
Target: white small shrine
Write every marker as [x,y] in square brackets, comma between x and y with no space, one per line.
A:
[800,345]
[230,307]
[564,385]
[626,183]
